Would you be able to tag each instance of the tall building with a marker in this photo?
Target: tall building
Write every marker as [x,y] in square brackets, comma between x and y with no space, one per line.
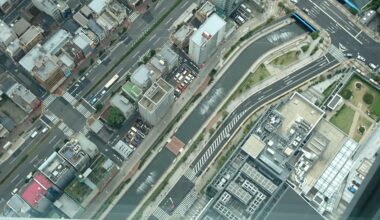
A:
[227,6]
[205,40]
[55,8]
[156,101]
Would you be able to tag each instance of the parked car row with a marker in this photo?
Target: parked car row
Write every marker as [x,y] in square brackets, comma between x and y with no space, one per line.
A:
[136,133]
[183,79]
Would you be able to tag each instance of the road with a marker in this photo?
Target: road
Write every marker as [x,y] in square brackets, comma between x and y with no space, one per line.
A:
[344,34]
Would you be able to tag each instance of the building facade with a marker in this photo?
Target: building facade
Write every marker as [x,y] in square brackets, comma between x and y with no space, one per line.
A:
[227,6]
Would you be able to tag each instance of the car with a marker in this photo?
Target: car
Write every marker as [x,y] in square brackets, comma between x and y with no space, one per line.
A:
[15,190]
[103,92]
[348,55]
[34,134]
[81,79]
[186,82]
[93,101]
[177,75]
[373,66]
[191,76]
[294,1]
[29,176]
[45,130]
[306,10]
[360,58]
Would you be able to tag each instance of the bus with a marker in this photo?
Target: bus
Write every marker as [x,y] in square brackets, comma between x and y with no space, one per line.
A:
[111,81]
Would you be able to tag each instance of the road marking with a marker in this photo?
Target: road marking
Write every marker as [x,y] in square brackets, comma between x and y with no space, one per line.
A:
[341,26]
[14,179]
[156,41]
[137,52]
[169,21]
[46,124]
[51,140]
[35,157]
[151,38]
[184,5]
[13,160]
[358,33]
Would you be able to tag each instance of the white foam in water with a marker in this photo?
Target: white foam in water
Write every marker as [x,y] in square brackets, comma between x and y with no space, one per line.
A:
[212,101]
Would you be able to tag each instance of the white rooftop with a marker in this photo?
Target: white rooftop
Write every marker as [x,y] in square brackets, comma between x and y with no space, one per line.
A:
[98,6]
[212,25]
[6,32]
[57,41]
[81,39]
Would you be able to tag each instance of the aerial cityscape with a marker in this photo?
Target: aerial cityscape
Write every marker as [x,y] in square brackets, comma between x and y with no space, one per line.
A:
[190,109]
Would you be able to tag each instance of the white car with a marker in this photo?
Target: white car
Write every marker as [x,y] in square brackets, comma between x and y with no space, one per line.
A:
[45,130]
[373,66]
[361,58]
[14,191]
[294,1]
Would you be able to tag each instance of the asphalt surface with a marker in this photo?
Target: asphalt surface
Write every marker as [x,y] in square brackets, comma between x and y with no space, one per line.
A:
[344,33]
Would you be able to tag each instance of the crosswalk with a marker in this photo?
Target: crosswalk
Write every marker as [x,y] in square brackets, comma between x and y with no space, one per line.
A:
[49,100]
[190,174]
[160,214]
[219,139]
[52,117]
[84,130]
[71,99]
[133,16]
[66,130]
[83,110]
[336,53]
[186,204]
[97,126]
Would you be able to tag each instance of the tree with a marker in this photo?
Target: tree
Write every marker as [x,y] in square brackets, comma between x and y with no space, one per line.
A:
[358,85]
[115,117]
[362,130]
[368,98]
[346,94]
[98,107]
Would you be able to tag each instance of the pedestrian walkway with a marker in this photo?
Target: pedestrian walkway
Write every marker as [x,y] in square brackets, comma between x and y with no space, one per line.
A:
[52,117]
[71,99]
[186,204]
[84,130]
[66,130]
[49,100]
[190,175]
[83,111]
[133,16]
[160,214]
[96,126]
[337,53]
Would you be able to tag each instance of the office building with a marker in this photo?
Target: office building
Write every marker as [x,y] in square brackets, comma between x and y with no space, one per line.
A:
[227,6]
[156,101]
[206,39]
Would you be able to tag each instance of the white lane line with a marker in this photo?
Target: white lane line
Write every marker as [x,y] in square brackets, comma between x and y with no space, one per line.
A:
[14,179]
[358,33]
[152,37]
[34,158]
[13,160]
[336,22]
[134,55]
[169,21]
[51,140]
[184,5]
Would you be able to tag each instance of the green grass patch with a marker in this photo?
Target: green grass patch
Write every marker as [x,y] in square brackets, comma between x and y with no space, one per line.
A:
[305,48]
[329,89]
[78,190]
[286,59]
[343,118]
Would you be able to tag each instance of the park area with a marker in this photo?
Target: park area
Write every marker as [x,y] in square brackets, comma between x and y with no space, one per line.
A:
[343,118]
[362,95]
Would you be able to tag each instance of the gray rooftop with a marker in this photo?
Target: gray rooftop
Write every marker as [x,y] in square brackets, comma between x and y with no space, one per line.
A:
[141,75]
[212,25]
[57,41]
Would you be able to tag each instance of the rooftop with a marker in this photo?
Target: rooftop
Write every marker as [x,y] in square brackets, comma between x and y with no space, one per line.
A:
[123,149]
[57,41]
[132,90]
[30,34]
[207,8]
[253,146]
[21,26]
[68,206]
[7,33]
[36,190]
[141,76]
[98,6]
[211,26]
[56,169]
[155,94]
[18,205]
[122,104]
[81,39]
[183,32]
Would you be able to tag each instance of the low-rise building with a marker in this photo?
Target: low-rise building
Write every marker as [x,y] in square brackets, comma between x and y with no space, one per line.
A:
[82,41]
[31,37]
[19,206]
[7,35]
[57,9]
[205,11]
[68,206]
[20,26]
[5,6]
[181,37]
[57,170]
[98,6]
[156,101]
[79,152]
[132,91]
[106,22]
[117,11]
[3,131]
[140,77]
[80,19]
[98,30]
[164,61]
[123,149]
[123,104]
[73,51]
[55,43]
[14,50]
[22,97]
[43,67]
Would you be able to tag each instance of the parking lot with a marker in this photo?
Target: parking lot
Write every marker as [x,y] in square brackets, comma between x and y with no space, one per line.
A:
[242,14]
